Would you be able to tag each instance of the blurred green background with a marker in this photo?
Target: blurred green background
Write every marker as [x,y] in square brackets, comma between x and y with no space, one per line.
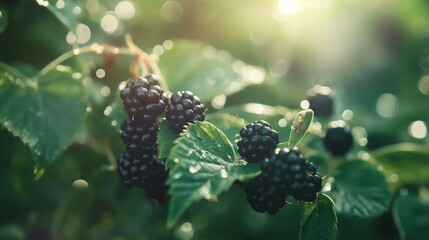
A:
[373,54]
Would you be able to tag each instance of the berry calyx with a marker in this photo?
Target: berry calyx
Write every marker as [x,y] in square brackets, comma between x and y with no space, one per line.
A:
[257,141]
[184,108]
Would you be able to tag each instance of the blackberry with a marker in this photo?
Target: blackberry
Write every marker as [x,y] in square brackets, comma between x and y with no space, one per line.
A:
[313,184]
[184,108]
[321,101]
[134,171]
[262,197]
[156,187]
[338,140]
[285,169]
[144,99]
[257,141]
[139,137]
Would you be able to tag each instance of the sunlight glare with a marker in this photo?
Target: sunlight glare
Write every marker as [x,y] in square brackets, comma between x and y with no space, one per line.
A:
[289,7]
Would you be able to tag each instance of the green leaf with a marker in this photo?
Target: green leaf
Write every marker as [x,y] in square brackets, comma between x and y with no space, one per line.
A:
[228,124]
[300,126]
[409,161]
[319,220]
[65,13]
[359,189]
[411,215]
[45,111]
[202,165]
[206,71]
[166,138]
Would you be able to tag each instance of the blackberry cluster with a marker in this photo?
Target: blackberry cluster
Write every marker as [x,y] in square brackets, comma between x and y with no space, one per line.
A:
[143,101]
[285,172]
[257,141]
[184,108]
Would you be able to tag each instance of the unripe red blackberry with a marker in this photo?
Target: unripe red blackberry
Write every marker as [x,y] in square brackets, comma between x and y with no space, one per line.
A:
[184,108]
[139,137]
[262,197]
[257,141]
[285,169]
[134,171]
[144,99]
[338,140]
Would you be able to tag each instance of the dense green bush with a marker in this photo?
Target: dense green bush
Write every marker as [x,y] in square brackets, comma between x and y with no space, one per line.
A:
[63,63]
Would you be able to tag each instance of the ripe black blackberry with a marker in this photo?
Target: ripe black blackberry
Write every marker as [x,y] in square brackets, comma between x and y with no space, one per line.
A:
[134,171]
[184,108]
[257,141]
[138,137]
[313,184]
[338,140]
[285,169]
[144,99]
[156,187]
[321,101]
[262,197]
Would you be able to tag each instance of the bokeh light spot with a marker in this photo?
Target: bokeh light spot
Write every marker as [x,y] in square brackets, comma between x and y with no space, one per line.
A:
[304,104]
[125,10]
[109,23]
[424,85]
[418,129]
[218,102]
[167,44]
[100,73]
[83,33]
[60,4]
[171,11]
[387,105]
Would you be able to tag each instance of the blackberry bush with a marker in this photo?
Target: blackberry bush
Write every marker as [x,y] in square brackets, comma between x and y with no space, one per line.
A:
[144,99]
[184,108]
[338,140]
[257,141]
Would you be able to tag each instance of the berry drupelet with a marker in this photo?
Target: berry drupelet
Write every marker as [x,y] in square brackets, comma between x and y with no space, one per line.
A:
[184,108]
[257,141]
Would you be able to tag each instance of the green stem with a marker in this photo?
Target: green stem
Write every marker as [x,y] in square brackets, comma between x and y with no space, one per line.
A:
[94,48]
